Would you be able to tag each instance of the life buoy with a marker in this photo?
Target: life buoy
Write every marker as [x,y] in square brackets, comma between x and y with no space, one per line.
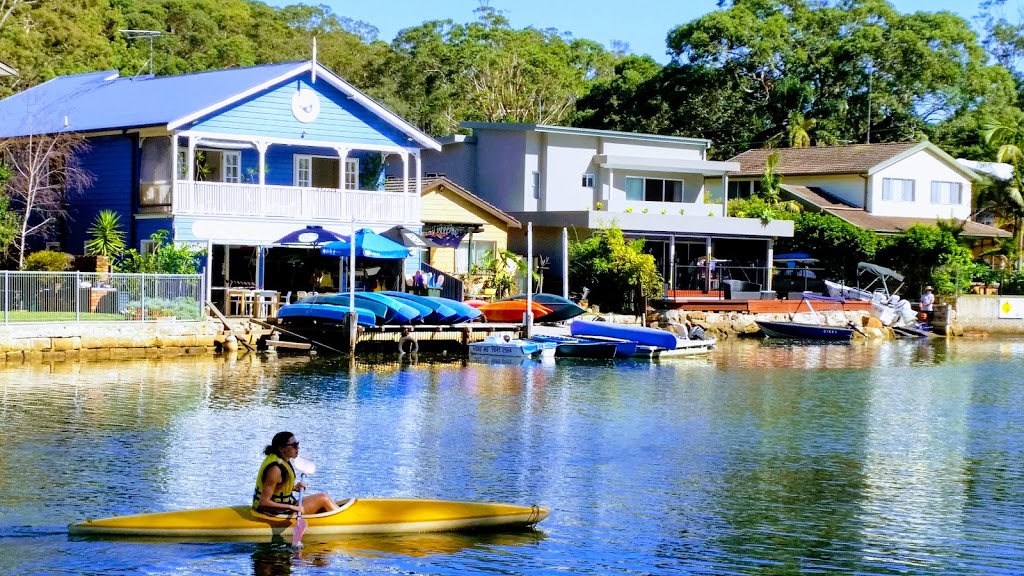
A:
[414,346]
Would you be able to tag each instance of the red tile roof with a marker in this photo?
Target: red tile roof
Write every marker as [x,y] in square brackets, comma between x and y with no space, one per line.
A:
[850,159]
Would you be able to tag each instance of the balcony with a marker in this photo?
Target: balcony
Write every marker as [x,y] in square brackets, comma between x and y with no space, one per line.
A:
[622,205]
[304,204]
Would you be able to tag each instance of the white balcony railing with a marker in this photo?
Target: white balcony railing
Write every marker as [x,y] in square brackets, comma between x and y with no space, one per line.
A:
[670,208]
[222,199]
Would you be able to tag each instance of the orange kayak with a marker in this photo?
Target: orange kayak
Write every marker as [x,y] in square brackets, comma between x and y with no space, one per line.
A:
[511,310]
[475,303]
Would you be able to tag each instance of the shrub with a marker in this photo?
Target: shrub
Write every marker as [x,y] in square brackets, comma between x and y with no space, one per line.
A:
[169,258]
[612,268]
[48,261]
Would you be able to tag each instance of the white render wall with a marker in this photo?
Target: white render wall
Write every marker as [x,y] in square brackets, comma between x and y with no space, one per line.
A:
[569,157]
[660,150]
[501,178]
[923,168]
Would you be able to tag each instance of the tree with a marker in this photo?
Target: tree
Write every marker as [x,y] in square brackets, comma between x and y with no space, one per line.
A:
[1004,199]
[613,269]
[44,169]
[107,235]
[929,255]
[168,258]
[837,244]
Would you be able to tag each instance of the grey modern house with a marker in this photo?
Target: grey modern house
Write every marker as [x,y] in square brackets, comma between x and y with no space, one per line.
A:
[651,186]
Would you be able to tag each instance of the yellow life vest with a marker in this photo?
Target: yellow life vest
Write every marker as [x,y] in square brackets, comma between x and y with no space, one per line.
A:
[284,492]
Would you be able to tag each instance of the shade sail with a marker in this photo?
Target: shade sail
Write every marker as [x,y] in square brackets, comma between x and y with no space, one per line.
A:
[369,244]
[310,235]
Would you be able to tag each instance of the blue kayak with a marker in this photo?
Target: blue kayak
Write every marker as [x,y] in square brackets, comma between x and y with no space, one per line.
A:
[466,312]
[440,313]
[383,313]
[326,312]
[401,313]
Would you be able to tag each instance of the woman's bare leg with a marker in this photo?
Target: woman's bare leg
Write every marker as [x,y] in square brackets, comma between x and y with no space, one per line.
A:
[313,503]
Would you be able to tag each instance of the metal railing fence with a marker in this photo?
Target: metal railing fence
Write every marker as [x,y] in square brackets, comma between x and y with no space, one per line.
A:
[99,297]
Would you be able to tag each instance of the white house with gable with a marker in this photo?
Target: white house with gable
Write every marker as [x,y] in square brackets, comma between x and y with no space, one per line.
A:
[651,186]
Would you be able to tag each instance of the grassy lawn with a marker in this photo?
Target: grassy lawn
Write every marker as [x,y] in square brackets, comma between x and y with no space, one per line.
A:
[29,316]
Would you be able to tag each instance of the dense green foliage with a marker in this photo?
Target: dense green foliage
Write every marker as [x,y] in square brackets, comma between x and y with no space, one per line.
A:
[929,255]
[168,258]
[613,269]
[837,244]
[48,261]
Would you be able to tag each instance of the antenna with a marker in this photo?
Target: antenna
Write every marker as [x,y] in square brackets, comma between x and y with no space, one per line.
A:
[149,34]
[314,59]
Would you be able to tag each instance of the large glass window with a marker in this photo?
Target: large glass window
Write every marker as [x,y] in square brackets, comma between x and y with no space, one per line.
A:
[897,190]
[634,188]
[946,193]
[653,189]
[473,253]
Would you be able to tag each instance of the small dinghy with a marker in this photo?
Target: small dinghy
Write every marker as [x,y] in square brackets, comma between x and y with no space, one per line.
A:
[503,345]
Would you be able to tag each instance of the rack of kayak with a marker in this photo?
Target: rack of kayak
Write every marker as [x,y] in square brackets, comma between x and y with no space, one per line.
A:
[400,308]
[592,339]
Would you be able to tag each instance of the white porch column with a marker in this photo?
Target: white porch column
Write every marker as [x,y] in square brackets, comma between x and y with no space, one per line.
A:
[342,157]
[771,258]
[261,147]
[405,186]
[419,172]
[191,160]
[725,193]
[174,161]
[611,188]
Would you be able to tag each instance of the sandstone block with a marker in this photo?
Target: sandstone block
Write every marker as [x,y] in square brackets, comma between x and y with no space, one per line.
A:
[62,344]
[40,344]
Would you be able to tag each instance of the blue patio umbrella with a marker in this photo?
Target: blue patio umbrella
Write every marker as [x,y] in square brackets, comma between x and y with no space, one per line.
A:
[310,235]
[369,244]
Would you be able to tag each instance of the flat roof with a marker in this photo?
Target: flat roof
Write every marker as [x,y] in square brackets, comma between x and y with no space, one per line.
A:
[585,132]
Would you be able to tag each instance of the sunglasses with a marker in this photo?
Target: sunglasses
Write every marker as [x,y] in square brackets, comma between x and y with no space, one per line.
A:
[295,444]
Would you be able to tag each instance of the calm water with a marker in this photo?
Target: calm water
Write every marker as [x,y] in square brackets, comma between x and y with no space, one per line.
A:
[900,458]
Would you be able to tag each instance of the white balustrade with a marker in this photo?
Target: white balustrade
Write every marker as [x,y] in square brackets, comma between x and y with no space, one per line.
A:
[223,199]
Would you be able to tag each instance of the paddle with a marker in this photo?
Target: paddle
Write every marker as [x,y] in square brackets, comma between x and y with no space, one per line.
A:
[303,466]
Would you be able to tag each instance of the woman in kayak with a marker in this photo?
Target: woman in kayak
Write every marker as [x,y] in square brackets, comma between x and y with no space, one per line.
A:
[276,482]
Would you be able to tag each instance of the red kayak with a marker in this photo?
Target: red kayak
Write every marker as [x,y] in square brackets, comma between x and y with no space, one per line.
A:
[511,310]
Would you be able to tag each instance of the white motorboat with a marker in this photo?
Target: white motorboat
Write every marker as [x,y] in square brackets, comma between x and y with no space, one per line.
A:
[885,304]
[505,346]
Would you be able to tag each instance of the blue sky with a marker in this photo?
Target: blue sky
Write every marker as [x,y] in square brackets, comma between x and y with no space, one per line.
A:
[642,23]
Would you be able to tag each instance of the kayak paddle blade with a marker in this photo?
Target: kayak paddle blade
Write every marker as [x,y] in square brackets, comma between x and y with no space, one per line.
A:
[300,529]
[304,466]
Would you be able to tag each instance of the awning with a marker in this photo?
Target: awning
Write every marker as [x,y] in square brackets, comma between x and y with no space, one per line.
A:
[704,167]
[369,244]
[406,237]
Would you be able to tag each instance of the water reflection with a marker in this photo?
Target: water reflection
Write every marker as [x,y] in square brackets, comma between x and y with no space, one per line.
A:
[901,457]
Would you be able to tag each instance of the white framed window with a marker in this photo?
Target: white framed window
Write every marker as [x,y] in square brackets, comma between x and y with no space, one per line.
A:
[302,171]
[148,246]
[946,193]
[52,246]
[588,181]
[232,166]
[475,252]
[897,189]
[536,185]
[351,173]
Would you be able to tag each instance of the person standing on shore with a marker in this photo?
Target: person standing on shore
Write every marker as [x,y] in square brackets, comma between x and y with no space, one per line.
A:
[928,303]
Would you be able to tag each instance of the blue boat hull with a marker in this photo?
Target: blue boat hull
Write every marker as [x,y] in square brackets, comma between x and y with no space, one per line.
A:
[794,330]
[326,312]
[623,348]
[439,312]
[638,334]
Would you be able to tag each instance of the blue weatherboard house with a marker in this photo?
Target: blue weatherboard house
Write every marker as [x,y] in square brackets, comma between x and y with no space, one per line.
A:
[229,160]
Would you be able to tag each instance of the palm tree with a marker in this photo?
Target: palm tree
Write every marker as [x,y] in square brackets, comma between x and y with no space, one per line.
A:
[107,236]
[771,187]
[1004,198]
[799,130]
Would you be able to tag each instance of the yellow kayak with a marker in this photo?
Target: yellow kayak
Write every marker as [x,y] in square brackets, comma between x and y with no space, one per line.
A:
[356,516]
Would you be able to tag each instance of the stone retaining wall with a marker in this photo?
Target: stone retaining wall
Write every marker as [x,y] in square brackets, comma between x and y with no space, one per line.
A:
[59,341]
[724,325]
